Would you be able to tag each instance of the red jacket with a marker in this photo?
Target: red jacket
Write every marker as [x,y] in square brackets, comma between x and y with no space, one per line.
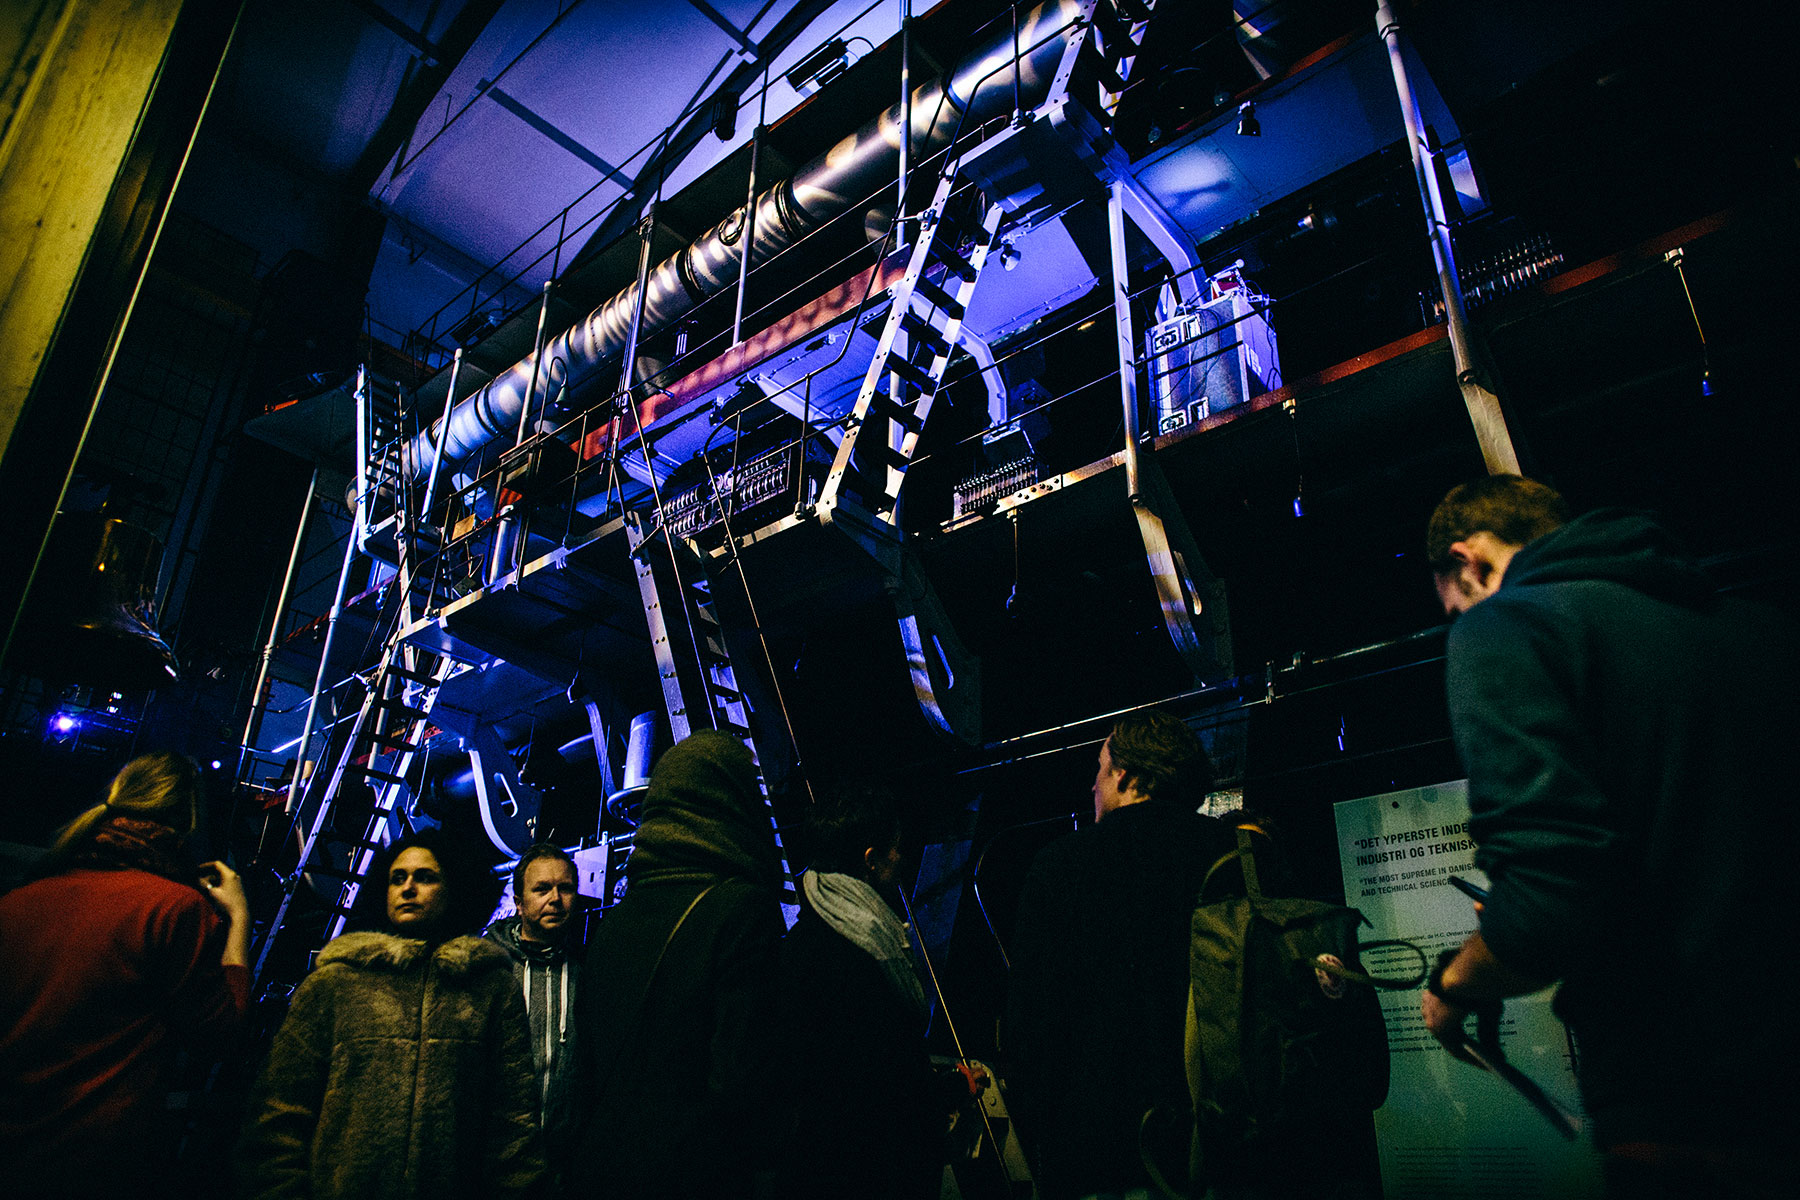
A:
[104,975]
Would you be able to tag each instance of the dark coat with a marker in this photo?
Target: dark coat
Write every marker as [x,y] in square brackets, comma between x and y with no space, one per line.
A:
[868,1120]
[1626,732]
[1097,992]
[676,1016]
[402,1070]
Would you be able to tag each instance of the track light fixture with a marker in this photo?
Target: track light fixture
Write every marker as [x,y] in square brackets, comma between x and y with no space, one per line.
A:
[821,67]
[1248,125]
[724,115]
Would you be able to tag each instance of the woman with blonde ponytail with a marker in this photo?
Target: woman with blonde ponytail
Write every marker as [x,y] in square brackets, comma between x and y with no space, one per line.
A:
[117,954]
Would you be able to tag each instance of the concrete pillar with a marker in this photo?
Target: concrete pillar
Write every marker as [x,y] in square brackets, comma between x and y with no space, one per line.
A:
[99,104]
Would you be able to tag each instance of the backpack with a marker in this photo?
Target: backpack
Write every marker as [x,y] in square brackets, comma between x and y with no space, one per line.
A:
[1283,1024]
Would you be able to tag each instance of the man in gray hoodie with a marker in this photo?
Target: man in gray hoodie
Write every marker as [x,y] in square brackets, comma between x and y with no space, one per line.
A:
[546,963]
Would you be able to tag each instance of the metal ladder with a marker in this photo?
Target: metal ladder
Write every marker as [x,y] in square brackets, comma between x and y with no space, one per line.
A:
[918,337]
[388,733]
[391,726]
[917,340]
[693,655]
[380,432]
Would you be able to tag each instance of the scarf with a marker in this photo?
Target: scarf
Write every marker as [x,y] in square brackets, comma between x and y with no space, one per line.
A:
[857,912]
[121,840]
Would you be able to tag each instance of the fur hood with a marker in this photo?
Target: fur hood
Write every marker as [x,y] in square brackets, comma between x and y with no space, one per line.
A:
[459,957]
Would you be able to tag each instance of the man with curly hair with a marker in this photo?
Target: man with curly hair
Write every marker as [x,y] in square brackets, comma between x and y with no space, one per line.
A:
[1099,980]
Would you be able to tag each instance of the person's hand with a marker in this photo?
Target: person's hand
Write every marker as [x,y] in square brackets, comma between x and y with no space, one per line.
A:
[224,888]
[1446,1021]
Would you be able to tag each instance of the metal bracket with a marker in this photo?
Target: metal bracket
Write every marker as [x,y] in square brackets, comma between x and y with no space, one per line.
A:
[946,676]
[1191,598]
[508,805]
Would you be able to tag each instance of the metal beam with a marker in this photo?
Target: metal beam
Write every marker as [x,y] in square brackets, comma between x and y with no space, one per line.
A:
[400,29]
[731,31]
[1485,411]
[518,109]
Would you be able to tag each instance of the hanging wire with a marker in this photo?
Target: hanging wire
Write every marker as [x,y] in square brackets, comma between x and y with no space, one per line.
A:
[937,989]
[1676,258]
[762,638]
[1074,820]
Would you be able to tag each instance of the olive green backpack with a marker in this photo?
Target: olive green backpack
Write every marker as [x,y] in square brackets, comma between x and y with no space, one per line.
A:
[1283,1023]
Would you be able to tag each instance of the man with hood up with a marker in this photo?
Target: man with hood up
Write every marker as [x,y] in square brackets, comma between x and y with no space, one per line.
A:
[675,1022]
[1625,729]
[547,965]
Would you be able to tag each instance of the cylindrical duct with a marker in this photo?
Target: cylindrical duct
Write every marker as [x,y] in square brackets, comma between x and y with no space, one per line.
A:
[639,745]
[850,171]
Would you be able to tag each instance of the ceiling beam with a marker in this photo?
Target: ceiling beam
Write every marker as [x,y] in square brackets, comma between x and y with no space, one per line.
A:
[519,109]
[731,31]
[400,29]
[418,92]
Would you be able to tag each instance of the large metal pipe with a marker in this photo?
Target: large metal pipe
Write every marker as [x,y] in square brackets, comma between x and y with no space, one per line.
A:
[826,187]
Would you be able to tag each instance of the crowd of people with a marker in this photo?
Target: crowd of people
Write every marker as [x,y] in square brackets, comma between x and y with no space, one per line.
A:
[1617,719]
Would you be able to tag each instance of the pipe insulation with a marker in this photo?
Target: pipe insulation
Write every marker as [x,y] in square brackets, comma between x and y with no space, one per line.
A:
[848,173]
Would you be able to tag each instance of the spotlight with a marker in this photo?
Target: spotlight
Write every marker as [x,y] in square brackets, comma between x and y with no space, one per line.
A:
[1248,125]
[821,67]
[1009,255]
[724,115]
[63,724]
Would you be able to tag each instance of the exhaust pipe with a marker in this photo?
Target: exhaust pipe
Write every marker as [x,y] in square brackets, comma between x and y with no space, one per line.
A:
[824,188]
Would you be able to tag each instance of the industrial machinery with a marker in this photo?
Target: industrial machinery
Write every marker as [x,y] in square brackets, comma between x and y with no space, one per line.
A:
[761,474]
[763,486]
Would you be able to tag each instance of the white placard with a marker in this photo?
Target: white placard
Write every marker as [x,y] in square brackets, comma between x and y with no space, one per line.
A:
[1450,1131]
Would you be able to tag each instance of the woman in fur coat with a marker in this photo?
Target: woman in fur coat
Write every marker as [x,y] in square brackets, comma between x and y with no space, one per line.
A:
[404,1065]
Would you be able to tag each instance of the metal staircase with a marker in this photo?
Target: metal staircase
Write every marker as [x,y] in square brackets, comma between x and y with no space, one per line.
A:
[348,814]
[917,340]
[681,588]
[394,524]
[385,738]
[701,688]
